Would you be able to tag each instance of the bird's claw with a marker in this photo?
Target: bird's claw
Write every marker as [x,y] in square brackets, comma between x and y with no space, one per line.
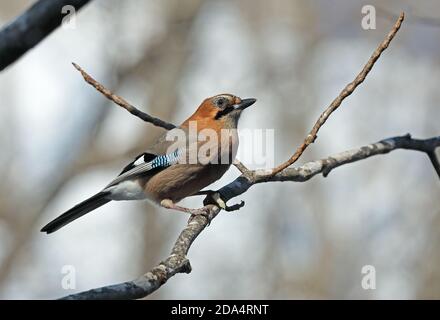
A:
[235,207]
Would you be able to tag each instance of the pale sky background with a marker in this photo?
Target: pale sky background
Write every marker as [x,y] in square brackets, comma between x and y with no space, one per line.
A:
[291,240]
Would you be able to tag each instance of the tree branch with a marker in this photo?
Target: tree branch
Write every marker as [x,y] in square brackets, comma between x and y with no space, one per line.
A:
[122,102]
[324,166]
[177,261]
[31,27]
[240,166]
[153,280]
[435,161]
[348,90]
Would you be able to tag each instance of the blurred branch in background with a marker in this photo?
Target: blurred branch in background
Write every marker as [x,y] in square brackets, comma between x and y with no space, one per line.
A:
[428,21]
[31,27]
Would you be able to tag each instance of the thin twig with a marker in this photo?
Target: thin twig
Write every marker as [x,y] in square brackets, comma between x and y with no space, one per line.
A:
[240,166]
[435,162]
[412,18]
[348,90]
[122,102]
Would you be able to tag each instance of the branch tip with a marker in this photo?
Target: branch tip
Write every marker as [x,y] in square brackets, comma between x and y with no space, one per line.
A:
[122,102]
[348,90]
[434,161]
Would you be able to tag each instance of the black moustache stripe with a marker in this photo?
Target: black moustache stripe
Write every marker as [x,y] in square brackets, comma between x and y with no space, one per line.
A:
[223,112]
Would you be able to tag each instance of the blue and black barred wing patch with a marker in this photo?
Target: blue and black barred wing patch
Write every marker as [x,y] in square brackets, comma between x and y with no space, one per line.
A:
[146,163]
[165,160]
[140,159]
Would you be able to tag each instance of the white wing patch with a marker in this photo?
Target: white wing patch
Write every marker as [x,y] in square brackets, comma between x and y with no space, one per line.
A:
[139,161]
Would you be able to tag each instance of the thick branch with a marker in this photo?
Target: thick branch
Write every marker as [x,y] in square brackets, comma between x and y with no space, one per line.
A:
[153,280]
[348,90]
[177,261]
[31,27]
[324,166]
[122,102]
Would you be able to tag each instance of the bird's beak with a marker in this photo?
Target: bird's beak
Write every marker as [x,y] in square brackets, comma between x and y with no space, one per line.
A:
[244,104]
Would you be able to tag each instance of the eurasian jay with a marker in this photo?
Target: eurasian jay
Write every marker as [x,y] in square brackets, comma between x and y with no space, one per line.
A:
[172,170]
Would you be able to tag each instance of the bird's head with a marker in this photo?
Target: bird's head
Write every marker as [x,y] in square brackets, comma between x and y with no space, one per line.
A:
[224,109]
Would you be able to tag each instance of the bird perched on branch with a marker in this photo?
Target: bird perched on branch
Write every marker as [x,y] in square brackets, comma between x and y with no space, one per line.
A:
[182,162]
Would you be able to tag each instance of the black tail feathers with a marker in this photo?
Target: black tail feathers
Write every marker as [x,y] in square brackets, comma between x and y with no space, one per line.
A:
[77,211]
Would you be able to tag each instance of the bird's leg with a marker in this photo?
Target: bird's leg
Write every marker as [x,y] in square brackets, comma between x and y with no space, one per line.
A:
[215,198]
[202,193]
[169,204]
[212,197]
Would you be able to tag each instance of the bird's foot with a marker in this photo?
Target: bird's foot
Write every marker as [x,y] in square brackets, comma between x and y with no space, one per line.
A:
[235,207]
[215,198]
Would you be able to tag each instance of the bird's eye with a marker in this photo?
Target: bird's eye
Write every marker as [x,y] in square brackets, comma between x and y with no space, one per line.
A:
[220,102]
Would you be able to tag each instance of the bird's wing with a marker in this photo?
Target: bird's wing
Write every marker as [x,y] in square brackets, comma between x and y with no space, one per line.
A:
[146,163]
[164,153]
[140,159]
